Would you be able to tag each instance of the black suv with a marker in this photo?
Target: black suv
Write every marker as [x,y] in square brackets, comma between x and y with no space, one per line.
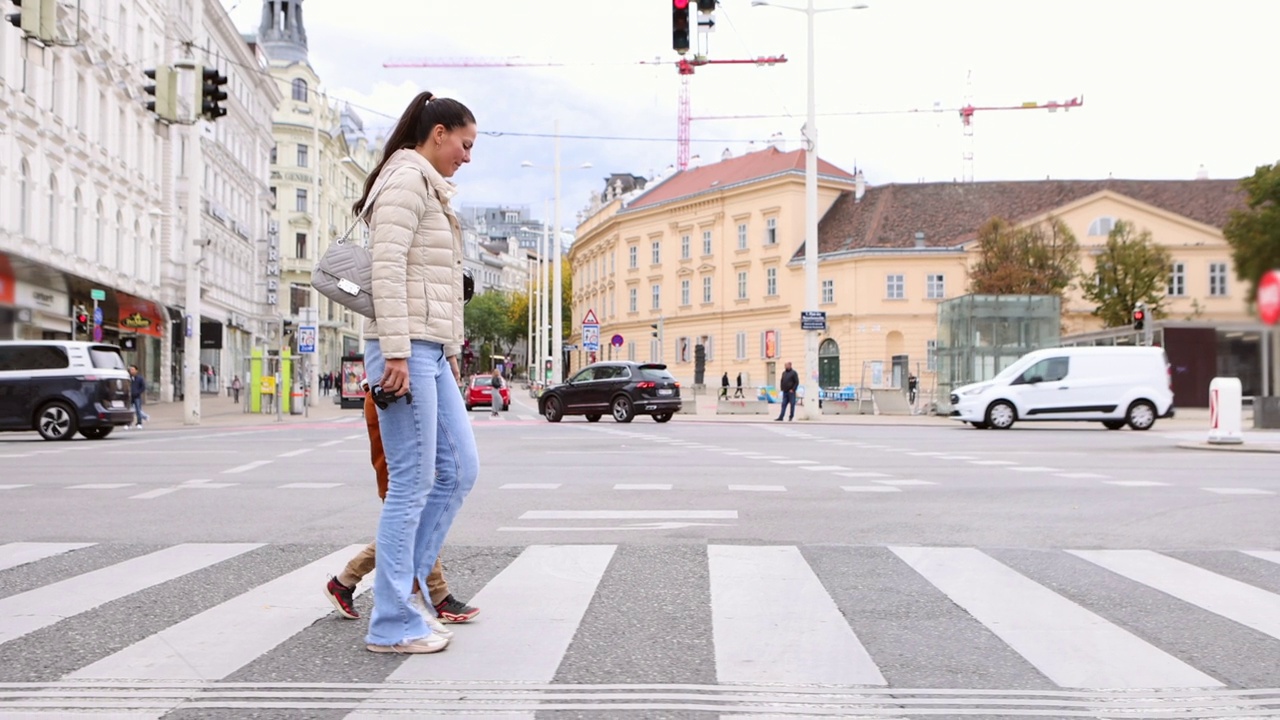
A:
[60,387]
[621,389]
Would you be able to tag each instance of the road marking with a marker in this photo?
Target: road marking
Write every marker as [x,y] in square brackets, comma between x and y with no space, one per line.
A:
[217,642]
[1220,595]
[331,443]
[743,453]
[1135,483]
[153,494]
[1268,555]
[530,486]
[1083,476]
[295,453]
[809,644]
[769,457]
[309,486]
[630,515]
[13,487]
[668,525]
[16,455]
[247,466]
[1070,645]
[642,486]
[993,462]
[863,474]
[29,611]
[823,468]
[956,457]
[1239,491]
[354,437]
[759,488]
[20,553]
[904,482]
[795,462]
[1034,468]
[100,486]
[876,447]
[869,488]
[926,454]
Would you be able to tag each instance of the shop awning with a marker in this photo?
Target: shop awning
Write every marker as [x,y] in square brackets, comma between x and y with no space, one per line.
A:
[140,316]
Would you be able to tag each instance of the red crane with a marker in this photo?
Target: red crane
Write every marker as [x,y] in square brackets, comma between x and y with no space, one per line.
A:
[684,66]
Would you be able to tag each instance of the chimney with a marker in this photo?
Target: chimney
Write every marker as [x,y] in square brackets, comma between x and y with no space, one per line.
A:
[726,154]
[695,161]
[919,239]
[859,186]
[777,142]
[1202,173]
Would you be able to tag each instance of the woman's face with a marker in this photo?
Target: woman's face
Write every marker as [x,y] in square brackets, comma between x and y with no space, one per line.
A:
[448,150]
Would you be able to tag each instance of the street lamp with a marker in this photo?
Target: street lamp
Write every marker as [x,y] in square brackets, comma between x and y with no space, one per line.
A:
[810,132]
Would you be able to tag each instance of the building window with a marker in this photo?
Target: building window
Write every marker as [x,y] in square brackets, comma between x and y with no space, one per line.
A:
[302,156]
[274,198]
[1102,226]
[99,233]
[656,291]
[633,256]
[1218,279]
[706,289]
[1178,280]
[274,153]
[684,247]
[24,198]
[684,350]
[657,252]
[54,240]
[632,302]
[771,281]
[631,351]
[935,287]
[742,236]
[513,218]
[299,89]
[684,292]
[655,350]
[828,291]
[894,287]
[771,231]
[300,203]
[300,246]
[706,242]
[931,355]
[742,285]
[740,346]
[77,222]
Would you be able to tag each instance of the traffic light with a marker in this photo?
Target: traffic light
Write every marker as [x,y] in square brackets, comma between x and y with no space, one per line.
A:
[680,26]
[286,327]
[37,20]
[1139,316]
[706,7]
[657,329]
[165,91]
[82,322]
[211,93]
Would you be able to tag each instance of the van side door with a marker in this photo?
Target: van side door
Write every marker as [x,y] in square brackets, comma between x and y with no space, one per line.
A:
[1045,392]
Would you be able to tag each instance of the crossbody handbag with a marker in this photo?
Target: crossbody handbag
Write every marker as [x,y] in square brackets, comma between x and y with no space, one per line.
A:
[345,273]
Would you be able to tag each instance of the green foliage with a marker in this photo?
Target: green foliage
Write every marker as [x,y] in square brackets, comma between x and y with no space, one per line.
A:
[1041,259]
[1254,234]
[487,320]
[1131,269]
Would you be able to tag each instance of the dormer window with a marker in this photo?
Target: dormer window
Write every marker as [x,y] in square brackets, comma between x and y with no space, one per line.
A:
[299,89]
[1102,227]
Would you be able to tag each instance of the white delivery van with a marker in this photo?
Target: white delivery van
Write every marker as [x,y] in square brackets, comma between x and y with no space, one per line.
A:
[1116,386]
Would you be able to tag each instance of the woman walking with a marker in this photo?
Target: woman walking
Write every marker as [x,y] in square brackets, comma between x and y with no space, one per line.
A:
[416,244]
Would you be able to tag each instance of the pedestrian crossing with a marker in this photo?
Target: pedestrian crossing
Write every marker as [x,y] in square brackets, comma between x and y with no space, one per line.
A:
[738,630]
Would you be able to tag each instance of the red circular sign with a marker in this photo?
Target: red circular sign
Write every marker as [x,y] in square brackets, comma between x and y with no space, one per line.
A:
[1269,297]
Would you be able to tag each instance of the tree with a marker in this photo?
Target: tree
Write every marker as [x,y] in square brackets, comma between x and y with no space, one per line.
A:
[486,318]
[1041,259]
[1254,234]
[1130,270]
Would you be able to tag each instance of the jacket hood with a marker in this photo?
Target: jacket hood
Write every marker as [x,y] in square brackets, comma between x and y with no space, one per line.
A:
[412,158]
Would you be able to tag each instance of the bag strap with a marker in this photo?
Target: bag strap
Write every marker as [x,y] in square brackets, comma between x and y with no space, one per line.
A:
[368,208]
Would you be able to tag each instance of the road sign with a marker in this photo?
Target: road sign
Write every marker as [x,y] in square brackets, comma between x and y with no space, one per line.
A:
[306,339]
[97,333]
[96,294]
[97,316]
[591,338]
[1269,297]
[590,318]
[813,320]
[616,341]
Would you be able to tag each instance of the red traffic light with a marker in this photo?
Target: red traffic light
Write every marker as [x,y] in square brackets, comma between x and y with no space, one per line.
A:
[680,4]
[1139,315]
[82,318]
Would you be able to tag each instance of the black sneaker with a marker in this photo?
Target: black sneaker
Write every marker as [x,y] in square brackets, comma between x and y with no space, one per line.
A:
[453,610]
[340,596]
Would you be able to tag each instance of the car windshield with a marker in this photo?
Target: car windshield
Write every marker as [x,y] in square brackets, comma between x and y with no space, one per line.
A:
[649,373]
[483,381]
[105,357]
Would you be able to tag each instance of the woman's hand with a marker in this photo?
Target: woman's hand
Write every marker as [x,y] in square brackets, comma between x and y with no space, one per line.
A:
[457,372]
[395,378]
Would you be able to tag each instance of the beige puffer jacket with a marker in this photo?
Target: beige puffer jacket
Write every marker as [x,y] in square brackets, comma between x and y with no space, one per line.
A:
[416,244]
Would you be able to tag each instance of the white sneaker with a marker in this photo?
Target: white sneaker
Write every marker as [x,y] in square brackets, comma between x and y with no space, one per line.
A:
[428,614]
[428,644]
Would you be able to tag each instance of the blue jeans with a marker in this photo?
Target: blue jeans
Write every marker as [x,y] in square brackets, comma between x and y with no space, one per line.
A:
[423,495]
[788,398]
[138,413]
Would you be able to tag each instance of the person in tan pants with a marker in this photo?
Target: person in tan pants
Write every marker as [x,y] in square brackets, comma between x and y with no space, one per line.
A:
[340,588]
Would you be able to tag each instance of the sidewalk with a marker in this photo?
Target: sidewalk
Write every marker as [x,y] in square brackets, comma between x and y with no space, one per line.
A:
[220,411]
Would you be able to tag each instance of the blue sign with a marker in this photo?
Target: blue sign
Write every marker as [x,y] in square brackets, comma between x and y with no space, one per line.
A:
[97,316]
[591,338]
[306,339]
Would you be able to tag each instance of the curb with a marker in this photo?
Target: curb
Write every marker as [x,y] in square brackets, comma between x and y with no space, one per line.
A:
[1240,448]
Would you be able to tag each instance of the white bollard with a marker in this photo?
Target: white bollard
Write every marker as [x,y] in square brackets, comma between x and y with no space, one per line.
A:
[1225,413]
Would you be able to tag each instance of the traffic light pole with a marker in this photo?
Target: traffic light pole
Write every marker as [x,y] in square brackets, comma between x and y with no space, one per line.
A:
[191,304]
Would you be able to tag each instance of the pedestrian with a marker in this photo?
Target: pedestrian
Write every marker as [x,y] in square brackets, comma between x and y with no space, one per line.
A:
[738,392]
[137,389]
[417,253]
[340,588]
[235,388]
[790,381]
[495,392]
[724,385]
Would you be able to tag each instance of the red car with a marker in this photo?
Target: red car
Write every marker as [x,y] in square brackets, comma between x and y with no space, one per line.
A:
[480,392]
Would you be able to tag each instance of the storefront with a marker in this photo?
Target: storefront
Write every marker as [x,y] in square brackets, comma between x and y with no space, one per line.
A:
[34,302]
[141,324]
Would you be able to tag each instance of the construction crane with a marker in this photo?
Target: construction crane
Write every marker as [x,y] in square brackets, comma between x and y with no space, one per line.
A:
[684,66]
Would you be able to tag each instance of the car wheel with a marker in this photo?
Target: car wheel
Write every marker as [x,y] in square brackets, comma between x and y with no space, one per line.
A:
[506,406]
[1141,415]
[96,433]
[56,421]
[551,410]
[468,407]
[622,410]
[593,418]
[662,417]
[1000,415]
[1113,424]
[980,426]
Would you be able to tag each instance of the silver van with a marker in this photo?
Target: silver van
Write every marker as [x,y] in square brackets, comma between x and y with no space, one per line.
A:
[61,387]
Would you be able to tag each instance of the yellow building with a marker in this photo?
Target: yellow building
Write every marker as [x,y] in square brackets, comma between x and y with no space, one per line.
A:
[888,256]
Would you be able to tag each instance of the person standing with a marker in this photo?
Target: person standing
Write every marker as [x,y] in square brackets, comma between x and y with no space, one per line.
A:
[137,389]
[417,253]
[235,388]
[737,393]
[495,392]
[724,385]
[790,381]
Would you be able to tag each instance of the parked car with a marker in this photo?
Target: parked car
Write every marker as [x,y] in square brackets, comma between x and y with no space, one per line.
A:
[61,387]
[621,389]
[480,392]
[1116,386]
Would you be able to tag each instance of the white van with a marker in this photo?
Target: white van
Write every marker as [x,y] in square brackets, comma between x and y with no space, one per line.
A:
[1116,386]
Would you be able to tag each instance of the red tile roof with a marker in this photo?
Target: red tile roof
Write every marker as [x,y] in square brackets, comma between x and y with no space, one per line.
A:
[736,170]
[951,213]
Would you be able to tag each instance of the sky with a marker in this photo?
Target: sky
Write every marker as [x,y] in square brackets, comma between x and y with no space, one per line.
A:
[1169,86]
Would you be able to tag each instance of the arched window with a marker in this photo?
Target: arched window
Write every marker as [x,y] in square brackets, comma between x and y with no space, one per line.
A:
[121,260]
[1102,226]
[77,223]
[99,233]
[139,254]
[299,89]
[54,240]
[24,198]
[153,259]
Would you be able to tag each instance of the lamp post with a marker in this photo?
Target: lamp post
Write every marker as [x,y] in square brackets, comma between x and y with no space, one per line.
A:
[809,380]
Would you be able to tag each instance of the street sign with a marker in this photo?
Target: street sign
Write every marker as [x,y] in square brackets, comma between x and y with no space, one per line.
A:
[97,316]
[1269,297]
[97,333]
[813,320]
[306,339]
[616,341]
[96,294]
[590,332]
[590,318]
